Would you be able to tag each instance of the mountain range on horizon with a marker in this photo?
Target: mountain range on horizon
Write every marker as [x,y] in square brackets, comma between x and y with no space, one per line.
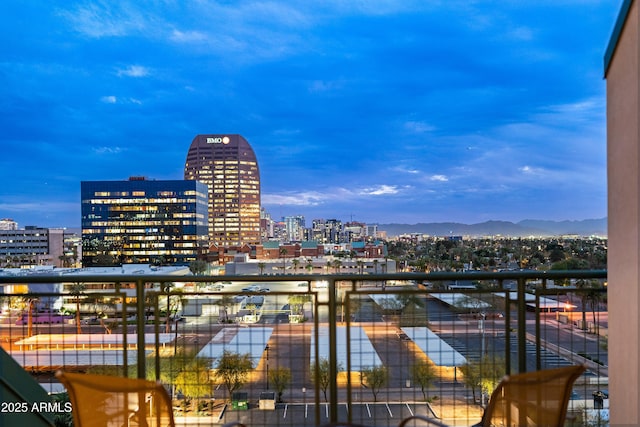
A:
[524,228]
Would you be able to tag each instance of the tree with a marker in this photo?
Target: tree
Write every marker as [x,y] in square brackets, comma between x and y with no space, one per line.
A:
[423,375]
[225,301]
[171,367]
[193,379]
[581,285]
[296,264]
[409,298]
[471,373]
[283,255]
[261,266]
[166,288]
[322,376]
[280,378]
[483,375]
[78,289]
[309,266]
[593,294]
[198,267]
[30,304]
[337,264]
[297,302]
[375,378]
[360,265]
[491,370]
[233,370]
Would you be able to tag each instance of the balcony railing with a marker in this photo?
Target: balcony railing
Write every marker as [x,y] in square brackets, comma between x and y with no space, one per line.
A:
[368,349]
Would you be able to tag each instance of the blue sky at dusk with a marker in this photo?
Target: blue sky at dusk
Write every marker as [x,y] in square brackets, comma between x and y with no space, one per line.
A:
[376,111]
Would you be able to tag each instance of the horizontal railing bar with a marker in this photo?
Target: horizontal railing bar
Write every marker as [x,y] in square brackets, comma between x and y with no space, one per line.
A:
[438,276]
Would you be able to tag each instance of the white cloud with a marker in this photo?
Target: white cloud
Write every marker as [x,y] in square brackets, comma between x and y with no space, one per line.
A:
[439,178]
[418,127]
[112,99]
[325,86]
[133,71]
[380,190]
[109,99]
[294,199]
[108,150]
[106,19]
[188,36]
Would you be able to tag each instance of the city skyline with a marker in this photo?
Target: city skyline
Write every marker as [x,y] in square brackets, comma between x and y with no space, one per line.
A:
[406,112]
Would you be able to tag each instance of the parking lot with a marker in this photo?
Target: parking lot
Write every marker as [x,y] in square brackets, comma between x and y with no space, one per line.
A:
[301,414]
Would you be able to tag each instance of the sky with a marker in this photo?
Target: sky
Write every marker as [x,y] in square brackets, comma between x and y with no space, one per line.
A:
[376,111]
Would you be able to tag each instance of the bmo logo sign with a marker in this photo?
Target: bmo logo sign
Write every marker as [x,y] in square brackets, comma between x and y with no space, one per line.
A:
[219,140]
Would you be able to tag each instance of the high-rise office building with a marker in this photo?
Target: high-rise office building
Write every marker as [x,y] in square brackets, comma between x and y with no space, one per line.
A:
[228,165]
[143,221]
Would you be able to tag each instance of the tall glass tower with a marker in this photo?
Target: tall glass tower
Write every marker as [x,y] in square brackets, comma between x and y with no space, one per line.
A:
[228,165]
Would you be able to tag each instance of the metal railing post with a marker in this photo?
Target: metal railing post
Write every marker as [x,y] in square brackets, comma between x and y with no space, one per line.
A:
[140,324]
[333,353]
[316,370]
[522,326]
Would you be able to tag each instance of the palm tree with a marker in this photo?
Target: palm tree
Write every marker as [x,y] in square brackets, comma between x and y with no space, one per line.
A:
[225,301]
[283,255]
[337,264]
[594,296]
[77,289]
[360,265]
[31,302]
[296,264]
[166,288]
[261,266]
[309,266]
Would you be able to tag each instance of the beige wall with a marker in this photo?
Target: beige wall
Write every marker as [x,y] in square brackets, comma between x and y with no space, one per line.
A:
[623,164]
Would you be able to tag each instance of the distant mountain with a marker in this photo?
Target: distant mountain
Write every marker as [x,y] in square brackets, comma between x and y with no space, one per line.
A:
[585,227]
[523,228]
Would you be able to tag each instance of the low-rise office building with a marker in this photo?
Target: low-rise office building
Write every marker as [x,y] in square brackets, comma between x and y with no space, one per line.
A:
[31,246]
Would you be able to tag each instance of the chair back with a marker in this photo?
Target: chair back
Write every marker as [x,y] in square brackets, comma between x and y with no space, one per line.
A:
[102,400]
[538,398]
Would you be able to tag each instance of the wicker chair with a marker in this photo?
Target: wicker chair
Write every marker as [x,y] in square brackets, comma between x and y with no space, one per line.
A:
[538,398]
[101,400]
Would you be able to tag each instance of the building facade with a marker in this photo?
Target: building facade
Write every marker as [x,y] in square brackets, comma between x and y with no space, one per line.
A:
[228,166]
[31,246]
[143,221]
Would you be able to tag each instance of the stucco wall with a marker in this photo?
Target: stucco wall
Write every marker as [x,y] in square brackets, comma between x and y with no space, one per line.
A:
[623,164]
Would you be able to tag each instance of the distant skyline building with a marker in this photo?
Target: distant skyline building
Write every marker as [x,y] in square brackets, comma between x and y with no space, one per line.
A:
[143,221]
[327,231]
[294,226]
[227,164]
[31,246]
[8,224]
